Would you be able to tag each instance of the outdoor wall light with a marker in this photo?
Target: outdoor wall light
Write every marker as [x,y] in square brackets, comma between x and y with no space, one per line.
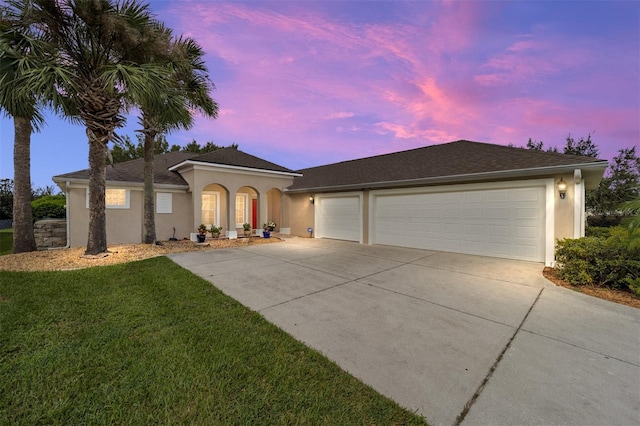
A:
[562,188]
[311,200]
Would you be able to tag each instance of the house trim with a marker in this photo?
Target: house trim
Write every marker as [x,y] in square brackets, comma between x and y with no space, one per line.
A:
[199,165]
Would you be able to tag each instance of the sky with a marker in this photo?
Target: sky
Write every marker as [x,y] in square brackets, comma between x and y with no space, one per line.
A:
[307,83]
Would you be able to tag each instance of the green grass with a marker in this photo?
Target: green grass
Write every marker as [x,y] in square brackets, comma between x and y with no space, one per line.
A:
[150,343]
[6,241]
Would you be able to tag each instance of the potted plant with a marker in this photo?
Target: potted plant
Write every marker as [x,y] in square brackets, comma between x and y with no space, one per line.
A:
[215,231]
[247,229]
[268,228]
[202,233]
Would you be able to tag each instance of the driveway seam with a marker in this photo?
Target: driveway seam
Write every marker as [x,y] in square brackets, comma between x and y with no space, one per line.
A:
[433,303]
[303,296]
[478,391]
[580,347]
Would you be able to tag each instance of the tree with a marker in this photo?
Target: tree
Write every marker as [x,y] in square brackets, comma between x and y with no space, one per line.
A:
[94,42]
[22,46]
[584,147]
[190,93]
[195,147]
[126,150]
[620,184]
[6,198]
[539,146]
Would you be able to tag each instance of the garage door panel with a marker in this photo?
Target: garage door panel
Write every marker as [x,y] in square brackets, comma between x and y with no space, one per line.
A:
[500,222]
[338,217]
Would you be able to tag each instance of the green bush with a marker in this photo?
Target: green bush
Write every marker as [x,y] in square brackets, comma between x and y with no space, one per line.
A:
[600,260]
[598,231]
[50,206]
[604,221]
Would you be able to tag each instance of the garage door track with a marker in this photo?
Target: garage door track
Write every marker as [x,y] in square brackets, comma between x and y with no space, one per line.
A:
[460,339]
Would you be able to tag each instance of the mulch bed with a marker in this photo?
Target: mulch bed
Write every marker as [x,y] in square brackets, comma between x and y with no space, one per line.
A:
[617,296]
[74,258]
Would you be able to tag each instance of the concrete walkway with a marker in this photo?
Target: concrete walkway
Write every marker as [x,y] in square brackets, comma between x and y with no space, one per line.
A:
[459,339]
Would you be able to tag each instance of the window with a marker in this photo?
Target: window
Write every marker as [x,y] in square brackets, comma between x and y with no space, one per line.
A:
[210,208]
[164,202]
[114,198]
[241,209]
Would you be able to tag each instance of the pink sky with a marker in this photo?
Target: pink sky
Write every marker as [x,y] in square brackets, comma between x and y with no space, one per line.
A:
[309,83]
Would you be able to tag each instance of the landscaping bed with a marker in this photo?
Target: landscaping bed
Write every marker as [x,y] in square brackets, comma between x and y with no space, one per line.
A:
[74,258]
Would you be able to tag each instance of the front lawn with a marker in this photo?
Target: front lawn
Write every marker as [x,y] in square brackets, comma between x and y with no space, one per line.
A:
[6,241]
[150,343]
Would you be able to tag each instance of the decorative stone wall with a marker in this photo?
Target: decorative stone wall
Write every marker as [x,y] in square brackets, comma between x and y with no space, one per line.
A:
[50,233]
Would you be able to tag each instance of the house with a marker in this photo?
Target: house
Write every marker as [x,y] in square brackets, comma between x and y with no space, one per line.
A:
[462,196]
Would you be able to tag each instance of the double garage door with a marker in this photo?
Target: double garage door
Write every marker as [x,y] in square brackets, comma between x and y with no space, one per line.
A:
[506,222]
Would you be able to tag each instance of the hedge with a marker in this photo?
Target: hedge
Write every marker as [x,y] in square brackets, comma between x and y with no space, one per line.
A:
[50,206]
[603,260]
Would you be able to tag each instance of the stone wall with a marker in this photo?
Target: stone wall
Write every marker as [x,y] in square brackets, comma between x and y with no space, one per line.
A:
[50,233]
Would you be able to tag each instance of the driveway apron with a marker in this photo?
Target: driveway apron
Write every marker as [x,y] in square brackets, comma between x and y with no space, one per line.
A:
[459,339]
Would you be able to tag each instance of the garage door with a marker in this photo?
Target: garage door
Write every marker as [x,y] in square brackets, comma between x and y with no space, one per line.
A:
[506,223]
[338,217]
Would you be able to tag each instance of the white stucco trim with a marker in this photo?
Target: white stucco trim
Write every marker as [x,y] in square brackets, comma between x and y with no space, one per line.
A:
[199,165]
[550,225]
[578,204]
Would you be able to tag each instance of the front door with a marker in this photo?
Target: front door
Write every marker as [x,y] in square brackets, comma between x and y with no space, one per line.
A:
[254,213]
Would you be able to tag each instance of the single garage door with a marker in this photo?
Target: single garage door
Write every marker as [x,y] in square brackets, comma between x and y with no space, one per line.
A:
[338,217]
[506,223]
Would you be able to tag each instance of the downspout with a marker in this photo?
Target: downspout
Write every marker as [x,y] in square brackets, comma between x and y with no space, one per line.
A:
[67,221]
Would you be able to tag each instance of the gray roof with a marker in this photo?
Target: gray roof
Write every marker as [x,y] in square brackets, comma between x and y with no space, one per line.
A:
[133,171]
[453,161]
[235,157]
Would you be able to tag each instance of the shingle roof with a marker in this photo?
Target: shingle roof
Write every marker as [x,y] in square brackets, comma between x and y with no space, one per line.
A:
[235,157]
[435,161]
[133,171]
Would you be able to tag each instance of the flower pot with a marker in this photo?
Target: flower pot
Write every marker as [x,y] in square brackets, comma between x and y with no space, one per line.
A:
[266,234]
[215,235]
[201,238]
[247,233]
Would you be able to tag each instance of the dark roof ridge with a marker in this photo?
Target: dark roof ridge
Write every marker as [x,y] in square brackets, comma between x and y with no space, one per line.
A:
[459,141]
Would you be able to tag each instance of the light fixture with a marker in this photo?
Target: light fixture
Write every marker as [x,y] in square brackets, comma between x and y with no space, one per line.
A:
[562,188]
[311,200]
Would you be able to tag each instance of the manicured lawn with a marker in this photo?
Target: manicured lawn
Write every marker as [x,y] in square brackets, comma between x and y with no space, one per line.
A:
[150,343]
[6,241]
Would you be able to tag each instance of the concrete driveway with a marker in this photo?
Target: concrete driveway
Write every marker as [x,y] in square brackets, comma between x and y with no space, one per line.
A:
[459,339]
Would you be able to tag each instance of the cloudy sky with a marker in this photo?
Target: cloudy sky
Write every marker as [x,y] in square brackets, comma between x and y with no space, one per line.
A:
[304,83]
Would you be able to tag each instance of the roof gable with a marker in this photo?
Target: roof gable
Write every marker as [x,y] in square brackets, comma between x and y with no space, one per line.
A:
[235,157]
[460,158]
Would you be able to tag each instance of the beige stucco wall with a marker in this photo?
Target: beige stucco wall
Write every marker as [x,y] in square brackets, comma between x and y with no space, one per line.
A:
[125,226]
[301,213]
[564,209]
[233,181]
[182,212]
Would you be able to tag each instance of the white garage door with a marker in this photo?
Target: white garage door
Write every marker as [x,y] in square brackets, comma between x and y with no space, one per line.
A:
[506,223]
[338,217]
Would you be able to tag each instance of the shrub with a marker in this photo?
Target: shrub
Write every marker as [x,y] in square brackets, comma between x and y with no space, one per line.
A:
[52,206]
[598,231]
[604,221]
[600,260]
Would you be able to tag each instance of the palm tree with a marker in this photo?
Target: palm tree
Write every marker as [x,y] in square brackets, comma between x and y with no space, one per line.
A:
[20,47]
[94,40]
[191,93]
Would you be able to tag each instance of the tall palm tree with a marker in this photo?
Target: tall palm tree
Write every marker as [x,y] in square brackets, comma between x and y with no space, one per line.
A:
[94,40]
[20,46]
[191,93]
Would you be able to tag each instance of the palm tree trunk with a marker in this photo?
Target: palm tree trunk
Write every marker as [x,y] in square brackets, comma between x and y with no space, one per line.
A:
[149,201]
[23,239]
[97,238]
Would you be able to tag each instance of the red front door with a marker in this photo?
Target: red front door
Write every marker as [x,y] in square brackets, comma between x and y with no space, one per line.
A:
[254,213]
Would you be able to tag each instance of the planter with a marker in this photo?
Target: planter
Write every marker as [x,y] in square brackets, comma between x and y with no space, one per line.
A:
[201,238]
[215,235]
[266,234]
[247,233]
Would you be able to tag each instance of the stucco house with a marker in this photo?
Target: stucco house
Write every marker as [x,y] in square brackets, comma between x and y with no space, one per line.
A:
[462,196]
